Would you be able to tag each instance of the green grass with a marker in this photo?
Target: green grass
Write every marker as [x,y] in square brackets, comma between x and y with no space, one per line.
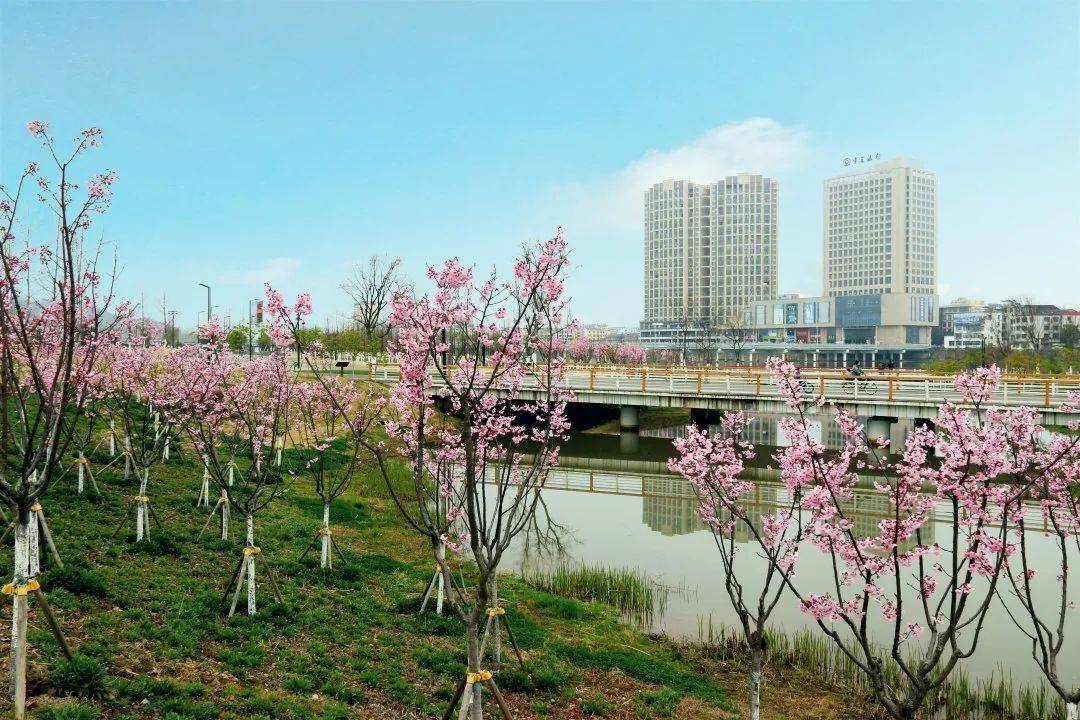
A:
[151,640]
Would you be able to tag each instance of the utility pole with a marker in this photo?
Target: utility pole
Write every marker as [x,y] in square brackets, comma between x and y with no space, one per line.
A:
[172,324]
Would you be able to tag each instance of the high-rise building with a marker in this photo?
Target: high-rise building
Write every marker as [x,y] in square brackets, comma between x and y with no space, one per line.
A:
[881,231]
[710,250]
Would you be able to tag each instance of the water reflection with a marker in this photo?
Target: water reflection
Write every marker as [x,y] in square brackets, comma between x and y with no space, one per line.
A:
[617,506]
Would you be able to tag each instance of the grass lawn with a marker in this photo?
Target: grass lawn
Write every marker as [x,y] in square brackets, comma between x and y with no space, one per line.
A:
[151,640]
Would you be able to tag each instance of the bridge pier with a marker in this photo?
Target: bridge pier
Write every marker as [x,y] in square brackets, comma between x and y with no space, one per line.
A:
[629,418]
[629,441]
[879,427]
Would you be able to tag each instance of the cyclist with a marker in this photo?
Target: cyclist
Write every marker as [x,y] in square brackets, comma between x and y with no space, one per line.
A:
[855,370]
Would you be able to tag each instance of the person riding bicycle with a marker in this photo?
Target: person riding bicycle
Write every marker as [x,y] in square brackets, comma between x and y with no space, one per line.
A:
[855,370]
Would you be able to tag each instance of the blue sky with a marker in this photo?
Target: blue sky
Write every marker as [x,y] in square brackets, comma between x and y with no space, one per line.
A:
[287,141]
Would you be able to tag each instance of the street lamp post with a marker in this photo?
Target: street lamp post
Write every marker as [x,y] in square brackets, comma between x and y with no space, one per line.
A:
[208,309]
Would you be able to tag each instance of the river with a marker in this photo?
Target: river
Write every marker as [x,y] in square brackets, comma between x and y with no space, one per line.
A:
[619,507]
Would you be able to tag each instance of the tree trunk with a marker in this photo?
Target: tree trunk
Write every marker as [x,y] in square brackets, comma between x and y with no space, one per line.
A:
[33,529]
[471,703]
[325,560]
[224,515]
[142,514]
[440,553]
[496,625]
[20,577]
[251,566]
[112,438]
[1072,711]
[757,661]
[81,471]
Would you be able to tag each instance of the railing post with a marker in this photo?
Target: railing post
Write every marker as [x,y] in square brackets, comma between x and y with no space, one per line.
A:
[1046,392]
[757,384]
[821,385]
[592,378]
[855,384]
[1005,391]
[891,388]
[644,380]
[926,387]
[727,382]
[699,383]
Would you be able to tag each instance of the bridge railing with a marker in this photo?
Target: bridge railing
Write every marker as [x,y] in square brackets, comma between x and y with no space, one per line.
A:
[834,385]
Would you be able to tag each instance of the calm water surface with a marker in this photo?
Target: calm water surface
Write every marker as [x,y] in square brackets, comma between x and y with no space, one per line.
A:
[619,507]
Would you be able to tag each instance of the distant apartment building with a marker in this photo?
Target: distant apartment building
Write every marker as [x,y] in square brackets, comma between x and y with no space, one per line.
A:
[1023,326]
[710,252]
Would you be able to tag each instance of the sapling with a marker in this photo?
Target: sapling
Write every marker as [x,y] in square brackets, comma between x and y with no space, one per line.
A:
[53,309]
[475,484]
[233,414]
[932,597]
[1055,496]
[331,411]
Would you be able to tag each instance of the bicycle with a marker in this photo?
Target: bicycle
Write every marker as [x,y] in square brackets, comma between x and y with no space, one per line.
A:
[848,386]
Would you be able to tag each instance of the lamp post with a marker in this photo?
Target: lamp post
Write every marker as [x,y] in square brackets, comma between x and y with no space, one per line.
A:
[208,310]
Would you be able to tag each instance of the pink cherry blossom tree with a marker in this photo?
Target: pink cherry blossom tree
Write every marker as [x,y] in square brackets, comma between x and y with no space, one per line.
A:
[580,348]
[54,306]
[630,354]
[933,598]
[332,411]
[475,483]
[138,393]
[1045,624]
[713,465]
[234,415]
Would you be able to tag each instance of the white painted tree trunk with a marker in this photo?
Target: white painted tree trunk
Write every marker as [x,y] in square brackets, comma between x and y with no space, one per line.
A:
[20,576]
[165,453]
[440,553]
[34,539]
[232,469]
[756,662]
[1072,711]
[127,458]
[496,629]
[204,488]
[325,559]
[280,444]
[142,512]
[251,566]
[112,438]
[224,516]
[81,471]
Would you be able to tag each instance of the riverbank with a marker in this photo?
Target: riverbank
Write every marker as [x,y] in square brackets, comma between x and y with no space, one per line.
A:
[151,641]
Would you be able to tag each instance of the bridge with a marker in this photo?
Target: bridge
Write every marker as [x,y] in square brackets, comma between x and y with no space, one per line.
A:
[880,398]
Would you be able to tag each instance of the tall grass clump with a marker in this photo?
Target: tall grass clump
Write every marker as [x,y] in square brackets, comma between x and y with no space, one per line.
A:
[959,698]
[637,597]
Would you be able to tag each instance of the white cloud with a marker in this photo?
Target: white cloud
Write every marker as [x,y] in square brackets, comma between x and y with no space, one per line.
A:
[603,217]
[272,270]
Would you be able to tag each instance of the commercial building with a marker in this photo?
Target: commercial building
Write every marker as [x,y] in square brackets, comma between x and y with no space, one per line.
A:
[710,252]
[880,231]
[885,319]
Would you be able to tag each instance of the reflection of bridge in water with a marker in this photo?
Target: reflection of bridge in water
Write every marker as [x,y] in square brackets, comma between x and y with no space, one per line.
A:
[669,503]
